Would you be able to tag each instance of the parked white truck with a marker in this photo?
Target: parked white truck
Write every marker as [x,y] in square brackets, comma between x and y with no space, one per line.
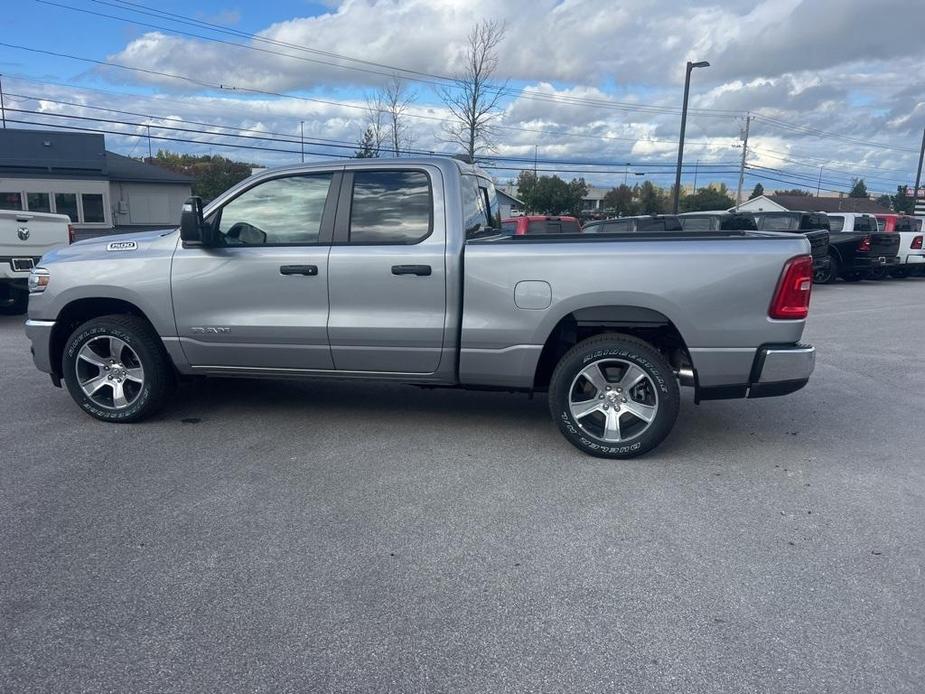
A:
[24,238]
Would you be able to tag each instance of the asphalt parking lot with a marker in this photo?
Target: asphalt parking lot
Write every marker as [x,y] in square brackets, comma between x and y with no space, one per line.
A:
[264,536]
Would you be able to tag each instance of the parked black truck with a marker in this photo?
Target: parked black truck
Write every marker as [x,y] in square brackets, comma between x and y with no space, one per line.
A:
[813,225]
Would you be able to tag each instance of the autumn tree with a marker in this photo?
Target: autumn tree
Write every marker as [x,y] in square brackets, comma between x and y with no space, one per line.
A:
[211,174]
[620,201]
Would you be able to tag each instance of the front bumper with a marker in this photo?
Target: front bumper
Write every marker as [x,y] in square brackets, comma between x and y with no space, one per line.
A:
[39,334]
[779,370]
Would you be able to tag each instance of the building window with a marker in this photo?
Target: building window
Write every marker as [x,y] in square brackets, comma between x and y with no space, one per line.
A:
[10,201]
[66,203]
[38,202]
[93,208]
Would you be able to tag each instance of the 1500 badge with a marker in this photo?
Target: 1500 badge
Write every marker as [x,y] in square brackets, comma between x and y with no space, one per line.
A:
[122,246]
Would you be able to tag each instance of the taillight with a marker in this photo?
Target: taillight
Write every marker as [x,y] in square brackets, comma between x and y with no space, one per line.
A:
[791,298]
[864,244]
[70,233]
[916,243]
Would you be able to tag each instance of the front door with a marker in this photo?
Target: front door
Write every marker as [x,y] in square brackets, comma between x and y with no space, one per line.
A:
[387,273]
[259,299]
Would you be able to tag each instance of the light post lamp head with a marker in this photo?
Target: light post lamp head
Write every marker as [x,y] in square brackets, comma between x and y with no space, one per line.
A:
[702,63]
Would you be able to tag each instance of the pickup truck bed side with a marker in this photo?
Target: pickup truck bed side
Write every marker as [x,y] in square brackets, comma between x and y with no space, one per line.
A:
[721,316]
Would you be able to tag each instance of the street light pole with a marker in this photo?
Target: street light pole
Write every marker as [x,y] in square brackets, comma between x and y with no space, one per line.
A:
[687,88]
[819,182]
[918,171]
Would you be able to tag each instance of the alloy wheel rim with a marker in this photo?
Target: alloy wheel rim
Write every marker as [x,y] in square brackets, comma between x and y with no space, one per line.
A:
[614,400]
[109,372]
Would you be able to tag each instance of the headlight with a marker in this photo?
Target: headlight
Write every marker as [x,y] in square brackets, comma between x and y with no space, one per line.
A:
[38,280]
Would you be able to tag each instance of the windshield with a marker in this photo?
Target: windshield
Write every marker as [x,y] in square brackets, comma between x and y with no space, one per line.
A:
[777,222]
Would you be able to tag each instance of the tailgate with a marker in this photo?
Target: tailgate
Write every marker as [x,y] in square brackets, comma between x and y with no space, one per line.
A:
[884,243]
[31,234]
[818,242]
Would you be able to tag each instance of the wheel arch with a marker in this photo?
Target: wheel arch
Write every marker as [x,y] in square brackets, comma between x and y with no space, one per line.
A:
[79,311]
[641,322]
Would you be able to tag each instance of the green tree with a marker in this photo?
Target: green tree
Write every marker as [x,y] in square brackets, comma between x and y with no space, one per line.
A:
[211,175]
[858,189]
[550,194]
[708,199]
[620,201]
[799,192]
[885,201]
[756,191]
[902,201]
[652,200]
[368,147]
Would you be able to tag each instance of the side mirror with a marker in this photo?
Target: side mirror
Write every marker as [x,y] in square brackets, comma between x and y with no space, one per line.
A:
[192,227]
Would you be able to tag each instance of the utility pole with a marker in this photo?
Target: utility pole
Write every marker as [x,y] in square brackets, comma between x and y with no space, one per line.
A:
[918,171]
[819,182]
[748,120]
[150,156]
[302,138]
[626,172]
[3,108]
[696,171]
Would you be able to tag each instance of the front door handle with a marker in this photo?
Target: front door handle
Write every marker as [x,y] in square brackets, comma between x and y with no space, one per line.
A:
[420,270]
[308,270]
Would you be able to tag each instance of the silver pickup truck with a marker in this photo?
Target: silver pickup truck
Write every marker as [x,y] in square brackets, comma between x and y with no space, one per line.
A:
[395,270]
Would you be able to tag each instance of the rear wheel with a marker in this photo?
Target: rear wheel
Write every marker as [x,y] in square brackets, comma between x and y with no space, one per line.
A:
[116,370]
[829,274]
[852,276]
[899,273]
[614,396]
[879,273]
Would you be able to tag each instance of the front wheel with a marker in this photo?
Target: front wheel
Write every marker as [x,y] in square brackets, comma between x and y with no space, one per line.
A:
[853,276]
[115,368]
[614,396]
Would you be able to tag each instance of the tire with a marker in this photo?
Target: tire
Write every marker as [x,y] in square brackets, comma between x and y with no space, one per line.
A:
[644,378]
[117,354]
[14,302]
[829,275]
[853,276]
[899,273]
[877,274]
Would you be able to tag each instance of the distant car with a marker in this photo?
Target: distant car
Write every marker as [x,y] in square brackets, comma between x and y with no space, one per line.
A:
[622,225]
[887,222]
[539,224]
[911,254]
[718,220]
[853,221]
[813,225]
[24,238]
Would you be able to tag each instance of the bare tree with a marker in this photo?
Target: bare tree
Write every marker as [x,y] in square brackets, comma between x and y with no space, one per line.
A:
[387,117]
[375,121]
[473,100]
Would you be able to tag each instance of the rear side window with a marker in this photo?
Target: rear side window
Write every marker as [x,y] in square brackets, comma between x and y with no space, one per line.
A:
[618,226]
[508,228]
[903,224]
[570,226]
[836,223]
[390,207]
[738,222]
[865,223]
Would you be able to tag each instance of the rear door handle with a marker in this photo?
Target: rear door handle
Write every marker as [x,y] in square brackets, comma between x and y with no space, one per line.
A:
[421,270]
[308,270]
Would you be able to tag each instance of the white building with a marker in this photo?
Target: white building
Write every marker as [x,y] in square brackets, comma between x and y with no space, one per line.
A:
[72,173]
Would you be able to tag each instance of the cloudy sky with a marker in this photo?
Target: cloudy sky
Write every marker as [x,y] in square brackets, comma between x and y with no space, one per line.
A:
[592,85]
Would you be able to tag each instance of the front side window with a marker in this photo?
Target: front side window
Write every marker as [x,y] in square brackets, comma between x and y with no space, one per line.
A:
[93,207]
[281,211]
[390,207]
[38,202]
[10,201]
[66,203]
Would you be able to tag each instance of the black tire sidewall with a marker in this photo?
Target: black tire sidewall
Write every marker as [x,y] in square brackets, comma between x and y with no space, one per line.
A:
[833,271]
[151,392]
[633,351]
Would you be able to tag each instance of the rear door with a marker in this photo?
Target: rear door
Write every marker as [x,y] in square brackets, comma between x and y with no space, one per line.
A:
[387,271]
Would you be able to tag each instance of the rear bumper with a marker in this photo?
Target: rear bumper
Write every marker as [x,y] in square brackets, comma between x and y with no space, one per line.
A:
[917,258]
[39,334]
[776,370]
[875,262]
